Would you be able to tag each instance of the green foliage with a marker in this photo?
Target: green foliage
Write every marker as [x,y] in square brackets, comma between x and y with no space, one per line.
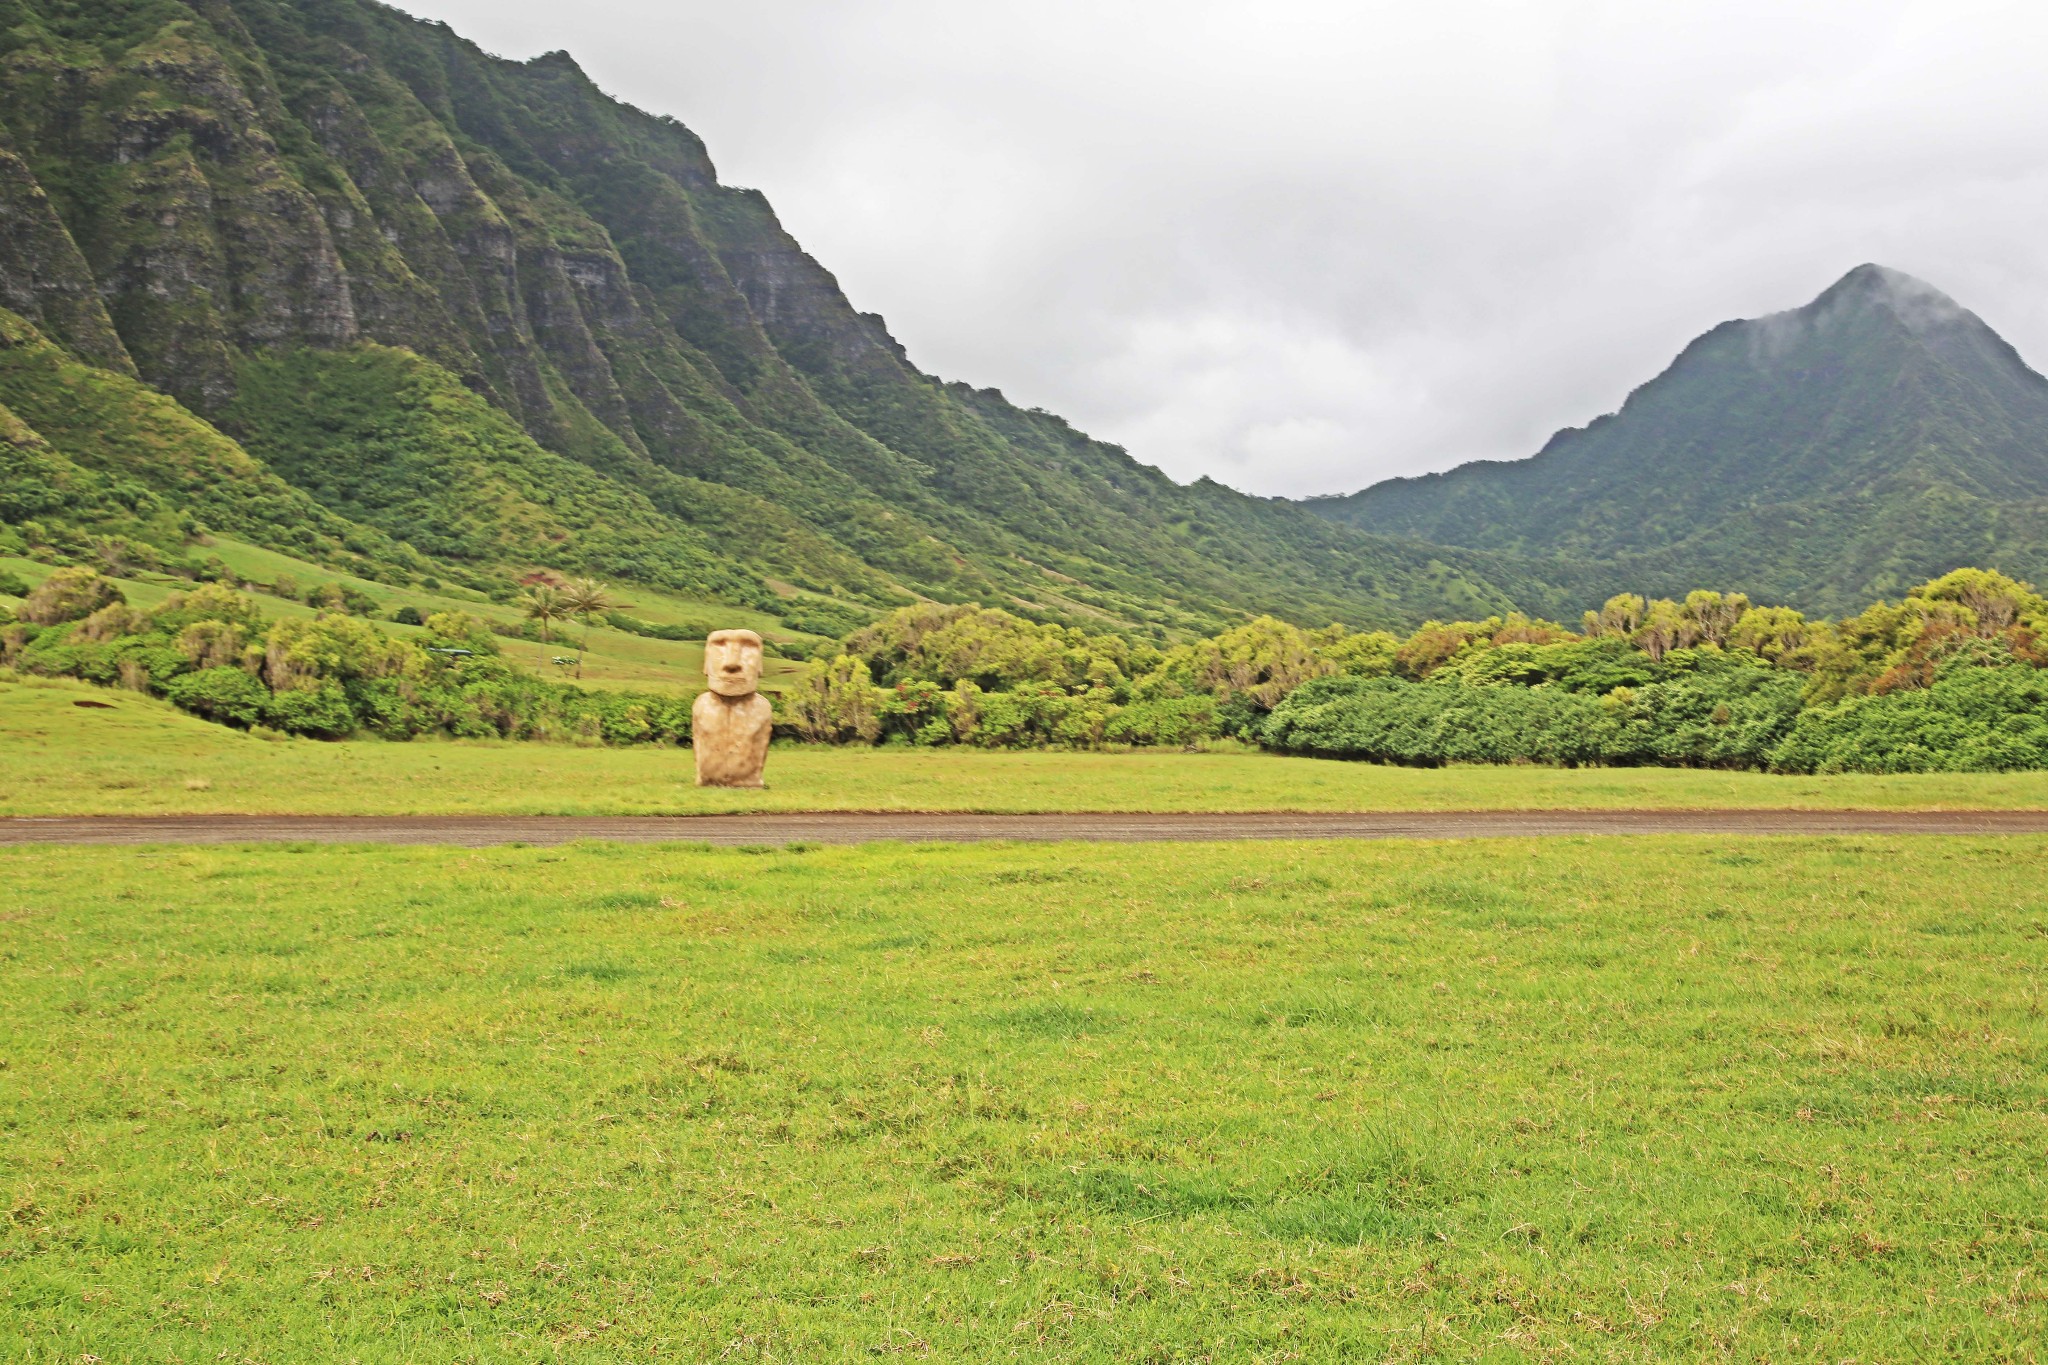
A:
[209,651]
[394,441]
[1972,719]
[1258,662]
[1173,721]
[228,695]
[68,595]
[990,648]
[1712,681]
[835,701]
[460,630]
[209,602]
[117,457]
[320,712]
[1389,720]
[633,625]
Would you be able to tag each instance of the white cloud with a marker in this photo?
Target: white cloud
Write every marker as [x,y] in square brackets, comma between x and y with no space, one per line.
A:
[1300,245]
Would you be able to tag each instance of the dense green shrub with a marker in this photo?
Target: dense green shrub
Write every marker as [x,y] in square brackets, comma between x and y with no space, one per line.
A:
[1038,715]
[815,617]
[653,630]
[1732,716]
[1972,719]
[1169,721]
[836,701]
[917,711]
[227,695]
[322,712]
[1390,720]
[990,648]
[68,595]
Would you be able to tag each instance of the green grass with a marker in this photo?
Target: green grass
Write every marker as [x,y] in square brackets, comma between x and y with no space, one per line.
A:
[1576,1099]
[139,756]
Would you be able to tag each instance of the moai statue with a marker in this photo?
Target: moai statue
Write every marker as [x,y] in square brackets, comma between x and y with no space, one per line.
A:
[729,724]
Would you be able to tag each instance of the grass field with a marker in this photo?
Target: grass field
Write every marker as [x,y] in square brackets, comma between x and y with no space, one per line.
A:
[138,756]
[1651,1099]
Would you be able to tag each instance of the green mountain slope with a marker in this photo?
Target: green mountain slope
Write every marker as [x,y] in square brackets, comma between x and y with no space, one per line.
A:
[103,452]
[1875,438]
[256,205]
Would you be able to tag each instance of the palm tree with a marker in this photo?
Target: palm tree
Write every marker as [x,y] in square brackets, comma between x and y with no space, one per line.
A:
[584,598]
[543,602]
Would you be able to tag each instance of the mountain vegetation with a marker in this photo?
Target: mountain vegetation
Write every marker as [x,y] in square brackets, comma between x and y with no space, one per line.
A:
[1842,451]
[376,296]
[1952,678]
[336,283]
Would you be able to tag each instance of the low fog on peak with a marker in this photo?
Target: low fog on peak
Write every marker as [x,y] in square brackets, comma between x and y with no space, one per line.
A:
[1301,247]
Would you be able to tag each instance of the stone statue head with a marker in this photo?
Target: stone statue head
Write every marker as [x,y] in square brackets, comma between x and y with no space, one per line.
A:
[732,662]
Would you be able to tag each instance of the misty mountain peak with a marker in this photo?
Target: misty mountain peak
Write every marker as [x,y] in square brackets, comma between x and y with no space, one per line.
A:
[1914,302]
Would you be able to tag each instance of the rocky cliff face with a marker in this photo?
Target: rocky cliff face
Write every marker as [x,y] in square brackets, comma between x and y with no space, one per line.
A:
[191,189]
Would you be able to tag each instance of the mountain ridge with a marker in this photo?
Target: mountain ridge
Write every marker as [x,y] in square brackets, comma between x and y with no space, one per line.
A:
[194,192]
[1821,456]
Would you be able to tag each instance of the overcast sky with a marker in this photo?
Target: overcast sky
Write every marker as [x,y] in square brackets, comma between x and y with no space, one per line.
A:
[1302,245]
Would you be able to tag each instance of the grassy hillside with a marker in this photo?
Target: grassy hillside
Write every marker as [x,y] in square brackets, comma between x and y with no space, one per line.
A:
[609,658]
[92,447]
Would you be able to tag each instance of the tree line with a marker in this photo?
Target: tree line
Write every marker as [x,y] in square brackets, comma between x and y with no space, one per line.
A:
[1950,677]
[1953,676]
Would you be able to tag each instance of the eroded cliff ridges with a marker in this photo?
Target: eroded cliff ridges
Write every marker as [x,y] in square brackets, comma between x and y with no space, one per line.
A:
[187,186]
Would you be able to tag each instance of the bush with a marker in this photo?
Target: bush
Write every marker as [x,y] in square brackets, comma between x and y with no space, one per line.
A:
[985,646]
[299,652]
[1973,719]
[834,701]
[460,630]
[633,625]
[227,695]
[212,644]
[914,711]
[817,617]
[322,712]
[1042,714]
[12,584]
[1173,721]
[212,602]
[1388,720]
[1734,717]
[408,616]
[68,595]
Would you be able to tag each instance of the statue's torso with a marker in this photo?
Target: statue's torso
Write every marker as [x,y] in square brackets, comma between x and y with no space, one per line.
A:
[730,736]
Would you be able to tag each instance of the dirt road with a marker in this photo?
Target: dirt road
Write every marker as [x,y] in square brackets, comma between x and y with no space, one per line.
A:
[845,827]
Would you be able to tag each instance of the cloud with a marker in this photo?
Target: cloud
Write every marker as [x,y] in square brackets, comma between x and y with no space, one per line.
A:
[1300,246]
